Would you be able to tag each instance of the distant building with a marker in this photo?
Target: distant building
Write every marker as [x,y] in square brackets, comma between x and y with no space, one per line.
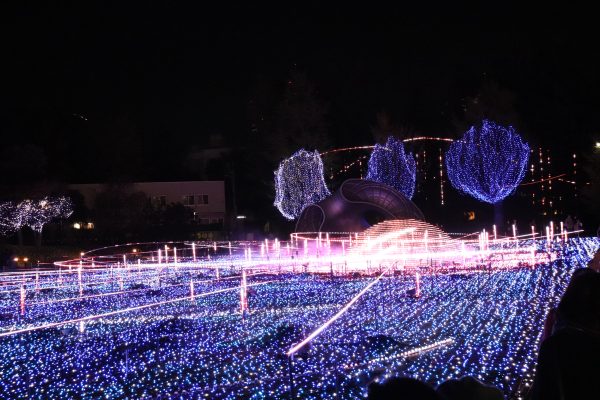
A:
[205,198]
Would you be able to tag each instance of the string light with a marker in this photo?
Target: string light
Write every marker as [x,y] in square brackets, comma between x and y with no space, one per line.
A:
[392,166]
[127,346]
[488,162]
[33,213]
[148,341]
[441,177]
[7,218]
[299,182]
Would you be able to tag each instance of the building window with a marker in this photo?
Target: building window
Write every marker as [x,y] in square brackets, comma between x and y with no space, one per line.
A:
[188,200]
[202,199]
[203,221]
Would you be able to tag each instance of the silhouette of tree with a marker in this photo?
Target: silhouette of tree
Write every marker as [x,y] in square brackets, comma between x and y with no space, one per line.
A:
[384,127]
[300,118]
[491,102]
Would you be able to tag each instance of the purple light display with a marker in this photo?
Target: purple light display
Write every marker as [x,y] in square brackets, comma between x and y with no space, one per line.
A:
[488,162]
[153,340]
[392,166]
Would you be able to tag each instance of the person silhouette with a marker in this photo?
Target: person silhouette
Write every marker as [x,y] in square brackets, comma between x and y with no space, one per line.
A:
[577,225]
[569,223]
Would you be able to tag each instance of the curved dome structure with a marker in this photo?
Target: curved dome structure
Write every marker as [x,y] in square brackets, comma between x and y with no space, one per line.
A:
[357,205]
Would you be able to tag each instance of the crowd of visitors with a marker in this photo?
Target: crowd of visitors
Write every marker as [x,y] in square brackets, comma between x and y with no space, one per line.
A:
[568,366]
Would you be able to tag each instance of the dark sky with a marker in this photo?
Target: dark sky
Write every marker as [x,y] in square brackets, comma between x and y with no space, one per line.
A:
[76,78]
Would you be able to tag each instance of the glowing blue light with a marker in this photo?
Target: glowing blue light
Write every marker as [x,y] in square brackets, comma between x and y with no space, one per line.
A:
[299,182]
[392,166]
[201,347]
[488,162]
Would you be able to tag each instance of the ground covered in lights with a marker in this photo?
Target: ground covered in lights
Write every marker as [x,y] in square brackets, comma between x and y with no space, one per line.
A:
[485,324]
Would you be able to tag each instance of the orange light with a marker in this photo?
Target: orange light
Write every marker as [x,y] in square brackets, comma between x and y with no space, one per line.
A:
[26,259]
[16,259]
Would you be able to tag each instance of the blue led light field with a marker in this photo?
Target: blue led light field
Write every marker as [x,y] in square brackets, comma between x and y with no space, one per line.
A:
[485,324]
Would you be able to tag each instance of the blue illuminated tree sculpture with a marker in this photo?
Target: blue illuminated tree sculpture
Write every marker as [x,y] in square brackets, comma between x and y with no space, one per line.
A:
[488,163]
[299,182]
[391,165]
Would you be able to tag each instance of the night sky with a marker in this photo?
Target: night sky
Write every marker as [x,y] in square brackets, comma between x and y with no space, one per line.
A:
[86,87]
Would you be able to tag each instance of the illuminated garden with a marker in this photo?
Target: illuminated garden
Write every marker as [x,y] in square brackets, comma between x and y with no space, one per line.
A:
[364,290]
[201,200]
[191,323]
